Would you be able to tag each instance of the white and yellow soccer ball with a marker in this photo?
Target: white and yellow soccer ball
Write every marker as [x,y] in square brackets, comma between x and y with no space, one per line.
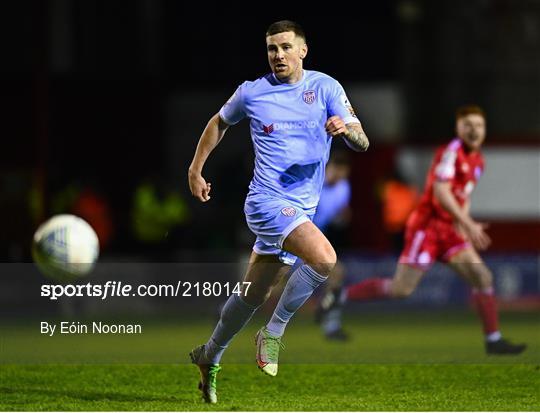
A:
[65,248]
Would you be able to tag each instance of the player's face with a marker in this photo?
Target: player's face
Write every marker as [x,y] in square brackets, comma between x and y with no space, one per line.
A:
[285,54]
[472,131]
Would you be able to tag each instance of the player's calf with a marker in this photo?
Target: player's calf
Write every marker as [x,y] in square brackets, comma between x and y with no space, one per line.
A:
[400,291]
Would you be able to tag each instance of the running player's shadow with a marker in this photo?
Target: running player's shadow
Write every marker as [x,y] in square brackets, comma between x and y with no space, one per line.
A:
[90,395]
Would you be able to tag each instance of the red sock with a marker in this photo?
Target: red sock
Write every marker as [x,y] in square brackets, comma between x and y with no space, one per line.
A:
[370,289]
[486,305]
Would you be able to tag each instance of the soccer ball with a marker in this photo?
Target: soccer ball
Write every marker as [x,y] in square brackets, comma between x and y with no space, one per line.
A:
[65,248]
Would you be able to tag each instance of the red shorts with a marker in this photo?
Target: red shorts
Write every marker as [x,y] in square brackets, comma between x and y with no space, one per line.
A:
[435,240]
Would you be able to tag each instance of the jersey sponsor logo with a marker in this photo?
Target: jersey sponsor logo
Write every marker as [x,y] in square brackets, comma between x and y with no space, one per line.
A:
[302,124]
[309,96]
[288,211]
[277,126]
[268,129]
[465,168]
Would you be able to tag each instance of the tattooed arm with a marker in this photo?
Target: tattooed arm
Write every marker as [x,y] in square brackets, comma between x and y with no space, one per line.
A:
[355,138]
[352,133]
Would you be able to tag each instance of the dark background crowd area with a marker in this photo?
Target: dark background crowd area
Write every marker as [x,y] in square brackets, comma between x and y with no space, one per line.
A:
[103,104]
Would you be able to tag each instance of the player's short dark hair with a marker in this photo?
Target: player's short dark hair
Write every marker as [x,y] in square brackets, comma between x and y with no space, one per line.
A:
[286,26]
[466,110]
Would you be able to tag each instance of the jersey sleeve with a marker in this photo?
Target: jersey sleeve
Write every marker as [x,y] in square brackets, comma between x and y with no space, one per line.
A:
[338,104]
[233,111]
[445,168]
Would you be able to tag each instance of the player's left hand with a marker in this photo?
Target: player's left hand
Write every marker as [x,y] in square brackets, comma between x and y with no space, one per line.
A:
[477,235]
[335,126]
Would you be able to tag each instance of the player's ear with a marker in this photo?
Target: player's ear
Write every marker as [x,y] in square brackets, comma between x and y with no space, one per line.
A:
[303,51]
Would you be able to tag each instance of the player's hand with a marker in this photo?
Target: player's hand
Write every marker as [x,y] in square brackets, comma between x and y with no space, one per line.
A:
[477,235]
[335,126]
[200,189]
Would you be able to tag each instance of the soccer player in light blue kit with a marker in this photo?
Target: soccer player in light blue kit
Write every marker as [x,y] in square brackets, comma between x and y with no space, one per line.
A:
[294,114]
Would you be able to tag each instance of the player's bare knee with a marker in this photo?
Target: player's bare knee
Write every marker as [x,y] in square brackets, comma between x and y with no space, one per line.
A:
[484,278]
[323,268]
[324,261]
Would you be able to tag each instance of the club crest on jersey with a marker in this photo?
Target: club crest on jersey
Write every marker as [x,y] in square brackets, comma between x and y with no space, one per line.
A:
[477,172]
[309,96]
[268,129]
[288,211]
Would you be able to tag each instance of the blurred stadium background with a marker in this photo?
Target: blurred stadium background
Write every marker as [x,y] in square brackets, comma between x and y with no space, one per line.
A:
[104,103]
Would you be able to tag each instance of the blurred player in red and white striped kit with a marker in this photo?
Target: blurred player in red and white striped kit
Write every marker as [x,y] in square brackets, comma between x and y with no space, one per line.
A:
[441,228]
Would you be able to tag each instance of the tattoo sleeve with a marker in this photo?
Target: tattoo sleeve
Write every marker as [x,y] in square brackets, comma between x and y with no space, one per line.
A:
[356,139]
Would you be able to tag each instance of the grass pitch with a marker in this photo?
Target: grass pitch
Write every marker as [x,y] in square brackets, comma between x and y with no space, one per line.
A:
[394,362]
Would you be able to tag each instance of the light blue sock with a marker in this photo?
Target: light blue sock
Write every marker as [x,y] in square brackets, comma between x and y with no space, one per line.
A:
[299,288]
[234,316]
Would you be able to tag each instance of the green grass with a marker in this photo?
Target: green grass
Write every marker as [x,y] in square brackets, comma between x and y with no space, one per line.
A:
[297,387]
[398,362]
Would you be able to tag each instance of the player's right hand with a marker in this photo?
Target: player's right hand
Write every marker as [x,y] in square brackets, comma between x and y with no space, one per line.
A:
[200,189]
[335,126]
[477,235]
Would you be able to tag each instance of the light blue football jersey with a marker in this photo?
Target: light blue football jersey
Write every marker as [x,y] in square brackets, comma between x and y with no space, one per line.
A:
[287,129]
